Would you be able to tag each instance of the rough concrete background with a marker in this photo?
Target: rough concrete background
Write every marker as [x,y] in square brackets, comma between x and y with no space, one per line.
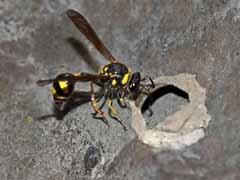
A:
[155,37]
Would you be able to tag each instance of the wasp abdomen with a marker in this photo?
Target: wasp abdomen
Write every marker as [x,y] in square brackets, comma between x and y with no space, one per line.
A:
[63,86]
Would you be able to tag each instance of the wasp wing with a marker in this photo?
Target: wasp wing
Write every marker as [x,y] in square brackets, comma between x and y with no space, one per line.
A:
[85,77]
[82,24]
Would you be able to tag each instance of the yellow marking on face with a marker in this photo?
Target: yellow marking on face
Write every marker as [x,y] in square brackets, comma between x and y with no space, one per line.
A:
[125,79]
[114,82]
[64,86]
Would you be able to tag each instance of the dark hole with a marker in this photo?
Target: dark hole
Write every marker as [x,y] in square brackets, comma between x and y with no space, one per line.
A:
[162,102]
[91,158]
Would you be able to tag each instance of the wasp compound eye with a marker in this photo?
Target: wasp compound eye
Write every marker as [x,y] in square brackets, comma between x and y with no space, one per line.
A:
[134,82]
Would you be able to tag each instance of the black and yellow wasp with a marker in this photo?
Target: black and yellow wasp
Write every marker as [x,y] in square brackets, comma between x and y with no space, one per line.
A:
[115,79]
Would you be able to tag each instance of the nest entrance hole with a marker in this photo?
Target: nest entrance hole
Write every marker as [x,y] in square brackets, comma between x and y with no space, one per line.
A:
[161,103]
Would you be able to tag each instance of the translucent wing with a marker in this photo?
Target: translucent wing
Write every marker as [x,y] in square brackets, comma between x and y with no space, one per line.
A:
[83,25]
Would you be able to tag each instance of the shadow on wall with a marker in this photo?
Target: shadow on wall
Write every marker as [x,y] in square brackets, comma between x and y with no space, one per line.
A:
[155,95]
[75,101]
[84,53]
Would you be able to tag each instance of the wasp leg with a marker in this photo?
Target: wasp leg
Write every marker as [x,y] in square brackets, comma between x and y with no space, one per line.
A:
[121,101]
[103,103]
[101,106]
[99,83]
[111,107]
[152,84]
[148,94]
[100,112]
[113,113]
[96,109]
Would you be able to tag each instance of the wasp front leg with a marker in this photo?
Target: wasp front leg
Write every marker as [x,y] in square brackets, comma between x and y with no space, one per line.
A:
[152,84]
[95,107]
[114,114]
[146,91]
[120,98]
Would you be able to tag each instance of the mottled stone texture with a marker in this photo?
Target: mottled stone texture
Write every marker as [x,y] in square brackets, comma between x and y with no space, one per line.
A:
[155,37]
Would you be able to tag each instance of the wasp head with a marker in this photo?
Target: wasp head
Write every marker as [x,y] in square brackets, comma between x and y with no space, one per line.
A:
[134,85]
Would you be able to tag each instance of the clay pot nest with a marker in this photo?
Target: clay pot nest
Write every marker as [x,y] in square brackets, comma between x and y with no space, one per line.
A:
[180,129]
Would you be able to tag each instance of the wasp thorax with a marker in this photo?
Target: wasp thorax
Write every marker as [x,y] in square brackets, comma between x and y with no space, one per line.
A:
[119,73]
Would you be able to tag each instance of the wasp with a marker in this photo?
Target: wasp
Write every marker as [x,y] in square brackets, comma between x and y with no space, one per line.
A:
[120,81]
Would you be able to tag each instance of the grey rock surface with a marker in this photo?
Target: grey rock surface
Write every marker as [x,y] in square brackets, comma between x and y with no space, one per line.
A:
[154,37]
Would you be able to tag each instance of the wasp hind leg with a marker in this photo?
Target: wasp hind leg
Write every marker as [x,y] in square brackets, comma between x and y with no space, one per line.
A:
[114,114]
[96,109]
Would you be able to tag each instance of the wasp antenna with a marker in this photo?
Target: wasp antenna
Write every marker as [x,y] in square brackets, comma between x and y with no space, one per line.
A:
[152,82]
